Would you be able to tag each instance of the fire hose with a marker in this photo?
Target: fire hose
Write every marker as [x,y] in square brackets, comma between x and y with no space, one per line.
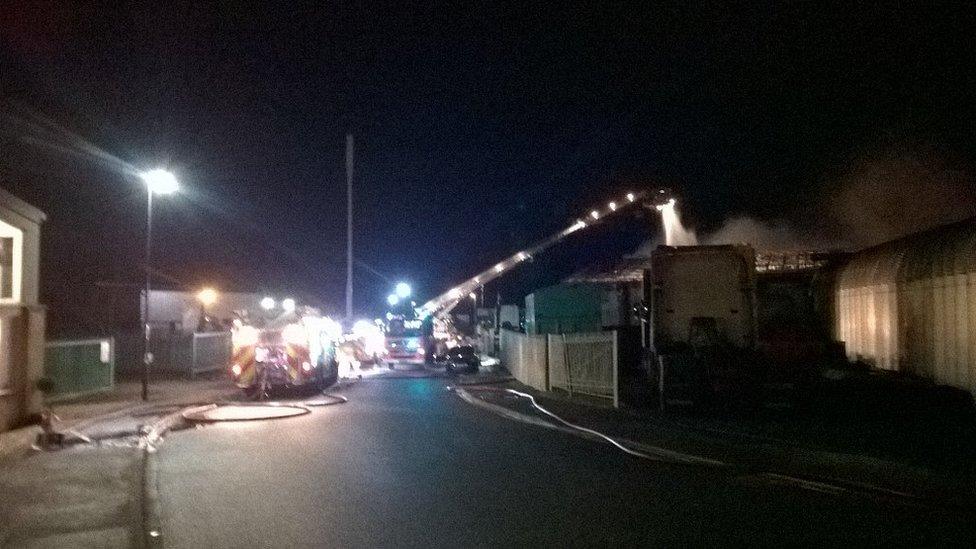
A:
[574,426]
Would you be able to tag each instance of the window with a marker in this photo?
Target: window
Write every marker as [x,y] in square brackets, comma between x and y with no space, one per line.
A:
[7,267]
[11,262]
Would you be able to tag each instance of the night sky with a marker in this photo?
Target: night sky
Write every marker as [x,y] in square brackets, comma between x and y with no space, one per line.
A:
[479,129]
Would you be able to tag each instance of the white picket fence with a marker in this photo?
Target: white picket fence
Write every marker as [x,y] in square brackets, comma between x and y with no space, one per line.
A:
[582,363]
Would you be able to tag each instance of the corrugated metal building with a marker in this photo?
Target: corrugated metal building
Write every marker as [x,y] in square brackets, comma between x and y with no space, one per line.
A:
[910,305]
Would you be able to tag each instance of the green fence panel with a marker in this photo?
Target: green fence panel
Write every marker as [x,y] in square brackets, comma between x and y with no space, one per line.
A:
[81,366]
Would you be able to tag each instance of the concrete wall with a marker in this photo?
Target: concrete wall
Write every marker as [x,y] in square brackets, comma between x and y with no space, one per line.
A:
[910,305]
[526,357]
[579,363]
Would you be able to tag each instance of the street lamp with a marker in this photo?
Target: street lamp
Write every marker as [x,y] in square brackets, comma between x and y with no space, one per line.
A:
[288,304]
[392,300]
[207,296]
[159,182]
[267,303]
[403,290]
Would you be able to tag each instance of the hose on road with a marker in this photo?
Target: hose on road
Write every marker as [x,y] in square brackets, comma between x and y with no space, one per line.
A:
[593,432]
[336,399]
[571,425]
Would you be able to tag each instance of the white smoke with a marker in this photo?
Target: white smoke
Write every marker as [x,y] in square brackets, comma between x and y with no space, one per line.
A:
[776,235]
[896,192]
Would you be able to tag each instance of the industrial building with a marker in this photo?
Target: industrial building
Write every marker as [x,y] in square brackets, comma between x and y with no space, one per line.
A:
[906,306]
[910,305]
[596,298]
[184,330]
[790,292]
[119,309]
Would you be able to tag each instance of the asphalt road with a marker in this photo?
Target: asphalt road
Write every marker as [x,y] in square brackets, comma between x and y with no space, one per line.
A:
[406,463]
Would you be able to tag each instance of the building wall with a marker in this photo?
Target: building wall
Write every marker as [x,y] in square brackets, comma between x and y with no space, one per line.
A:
[910,305]
[565,308]
[183,308]
[21,316]
[119,308]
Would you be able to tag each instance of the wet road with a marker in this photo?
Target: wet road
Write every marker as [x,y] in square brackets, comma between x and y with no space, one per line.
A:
[407,463]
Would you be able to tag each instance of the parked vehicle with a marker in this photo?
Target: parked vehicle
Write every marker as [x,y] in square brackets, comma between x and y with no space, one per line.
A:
[462,359]
[702,292]
[703,318]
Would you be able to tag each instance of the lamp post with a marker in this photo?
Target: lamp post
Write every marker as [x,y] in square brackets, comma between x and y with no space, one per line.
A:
[403,290]
[206,297]
[159,182]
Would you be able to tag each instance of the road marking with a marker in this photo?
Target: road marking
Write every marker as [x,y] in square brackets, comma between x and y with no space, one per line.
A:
[811,485]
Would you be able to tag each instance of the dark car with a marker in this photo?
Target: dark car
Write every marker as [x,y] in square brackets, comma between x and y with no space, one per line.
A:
[462,359]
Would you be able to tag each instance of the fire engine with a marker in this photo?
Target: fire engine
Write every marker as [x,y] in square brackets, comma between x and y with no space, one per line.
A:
[405,341]
[294,350]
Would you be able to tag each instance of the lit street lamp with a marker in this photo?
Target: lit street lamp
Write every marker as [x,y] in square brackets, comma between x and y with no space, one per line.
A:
[159,182]
[267,303]
[206,297]
[288,304]
[392,300]
[403,290]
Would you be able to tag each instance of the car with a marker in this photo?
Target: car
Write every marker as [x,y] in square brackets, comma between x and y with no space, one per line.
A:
[462,359]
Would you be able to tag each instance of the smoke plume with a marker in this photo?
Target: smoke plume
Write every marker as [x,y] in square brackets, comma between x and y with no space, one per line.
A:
[896,193]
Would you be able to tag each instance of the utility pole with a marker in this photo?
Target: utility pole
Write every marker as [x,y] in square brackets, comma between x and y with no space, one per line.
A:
[349,227]
[147,357]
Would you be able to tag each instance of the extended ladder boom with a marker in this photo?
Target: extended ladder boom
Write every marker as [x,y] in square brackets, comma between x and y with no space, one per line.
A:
[444,303]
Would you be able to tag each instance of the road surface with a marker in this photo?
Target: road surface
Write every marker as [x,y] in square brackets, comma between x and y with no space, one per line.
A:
[406,463]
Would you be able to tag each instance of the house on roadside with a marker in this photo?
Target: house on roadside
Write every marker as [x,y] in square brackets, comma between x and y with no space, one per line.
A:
[21,314]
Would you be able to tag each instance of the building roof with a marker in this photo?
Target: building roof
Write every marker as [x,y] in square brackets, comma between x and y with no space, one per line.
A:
[22,208]
[943,251]
[630,269]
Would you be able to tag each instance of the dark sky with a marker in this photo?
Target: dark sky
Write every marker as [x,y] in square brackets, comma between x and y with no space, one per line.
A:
[479,129]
